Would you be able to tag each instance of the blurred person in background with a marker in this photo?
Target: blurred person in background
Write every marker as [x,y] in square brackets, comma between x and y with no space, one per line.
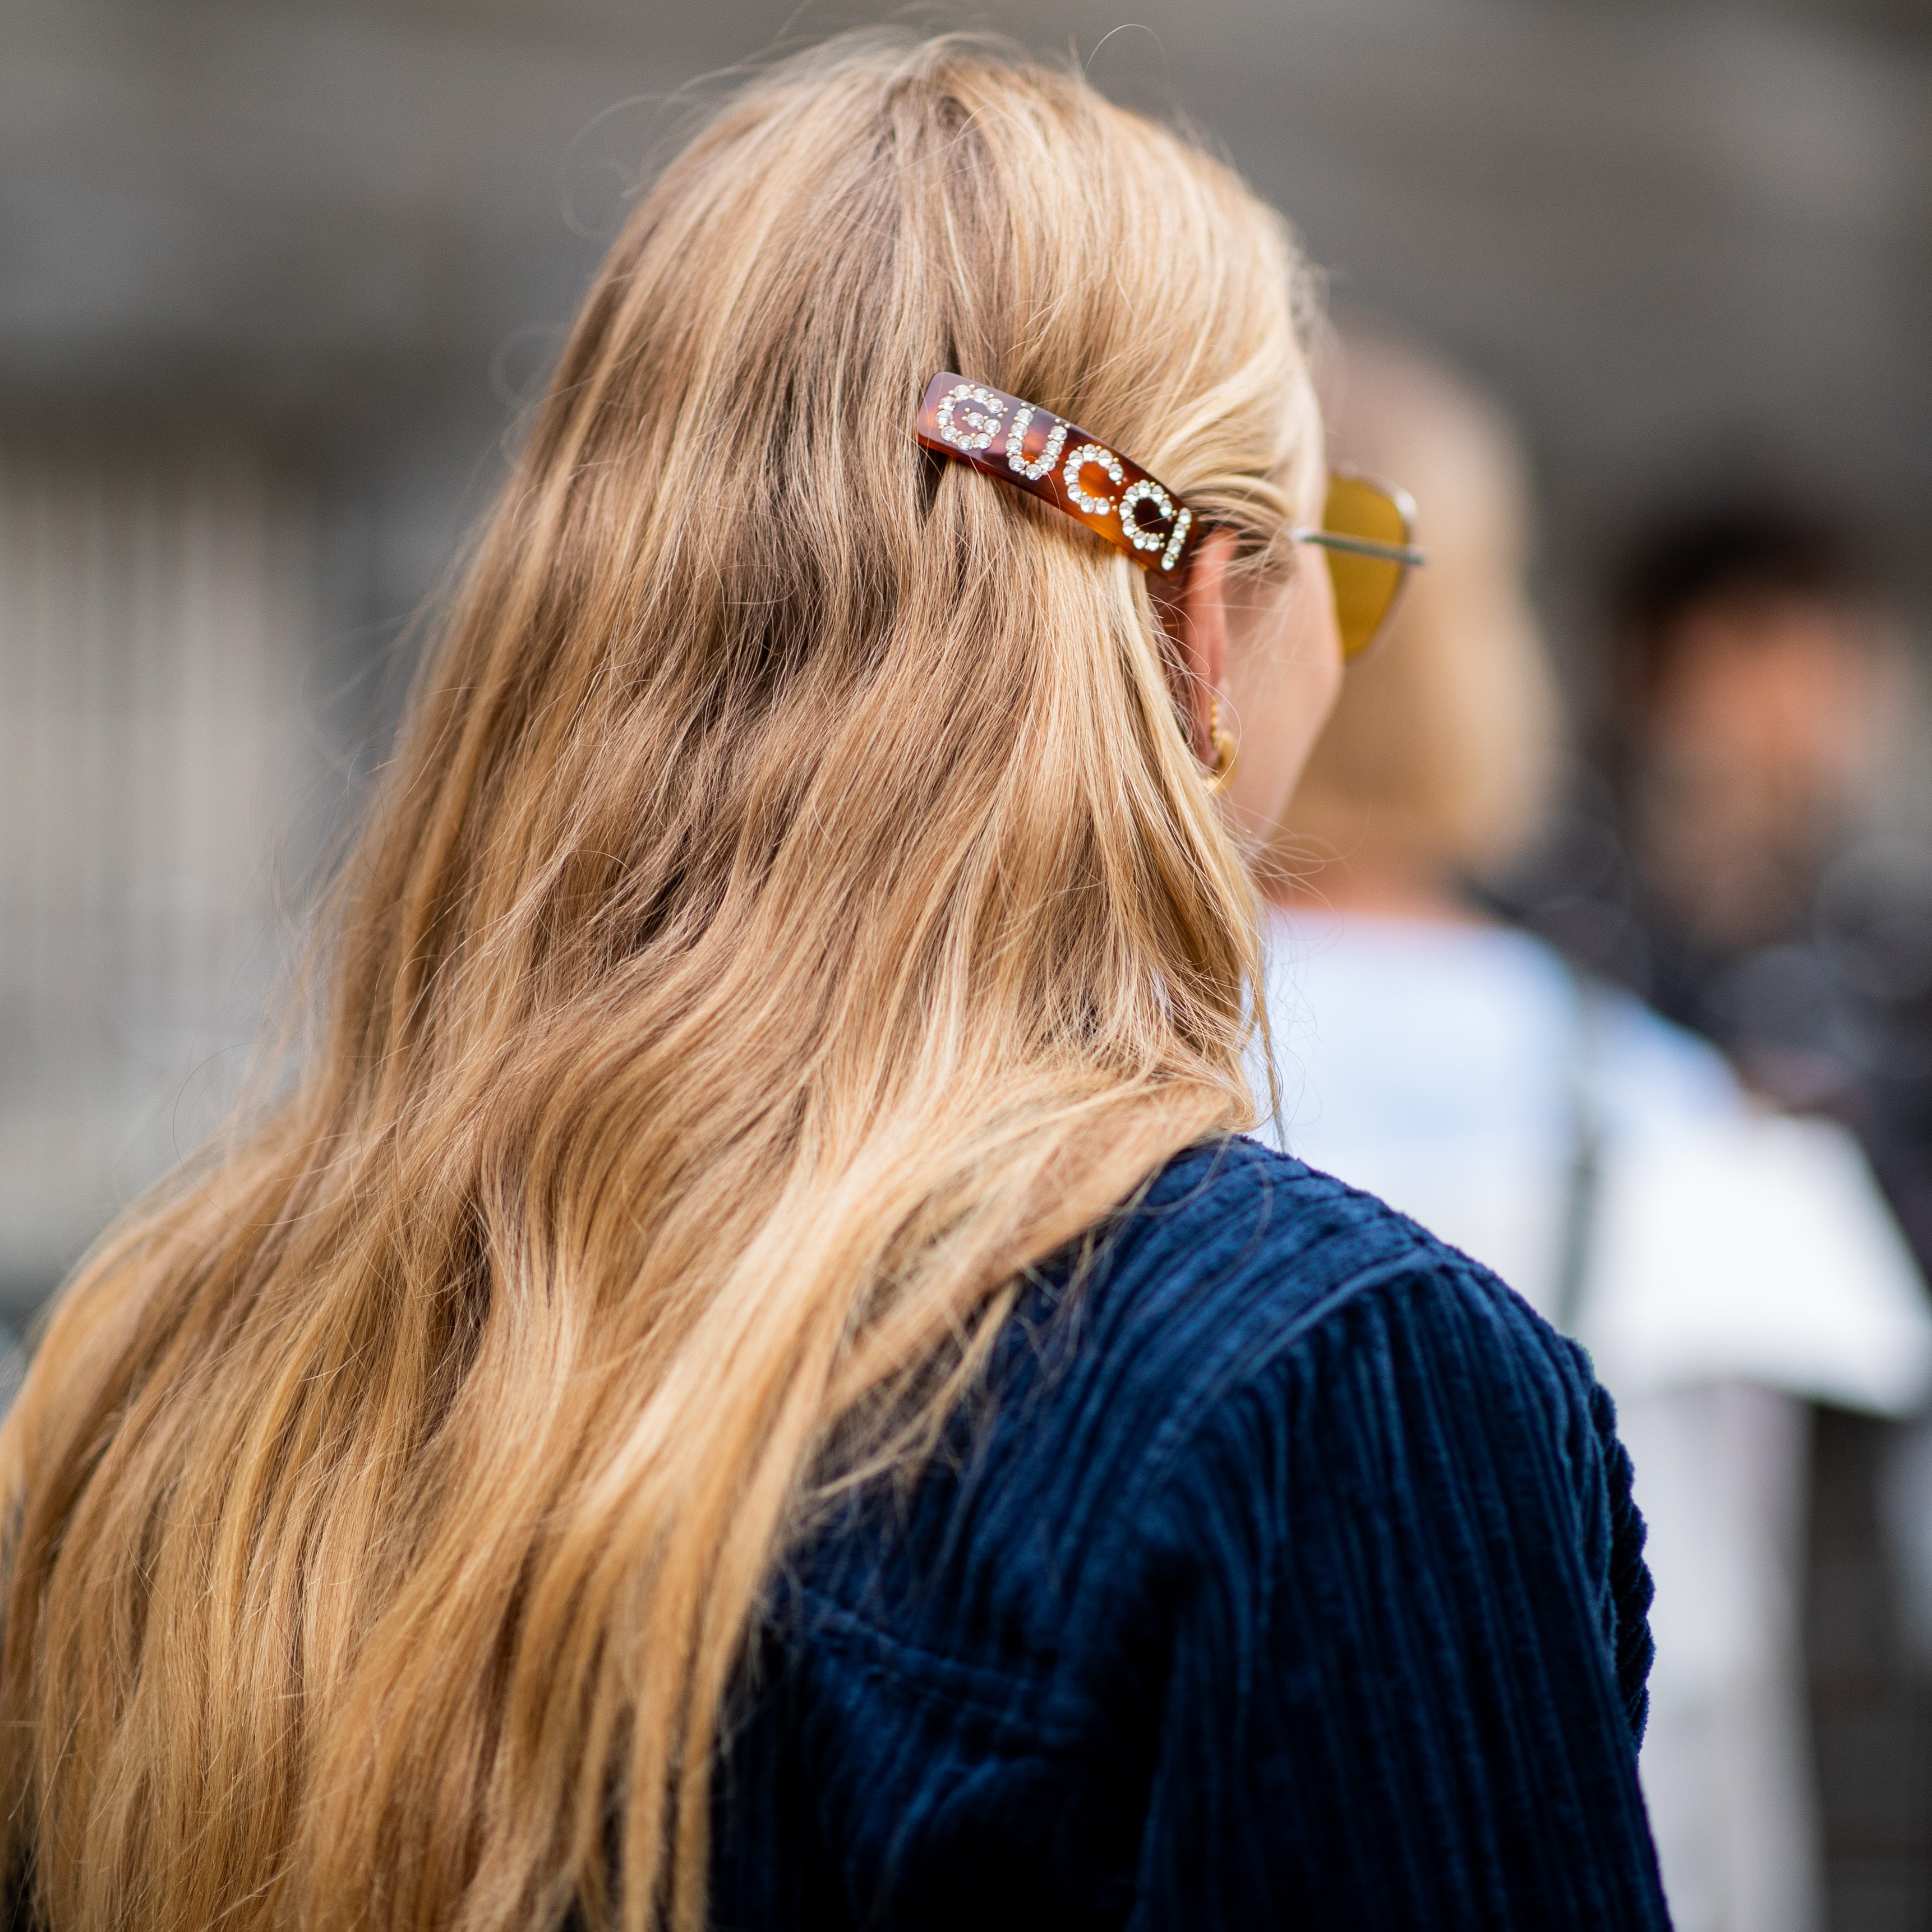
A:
[1720,1265]
[1725,856]
[1744,848]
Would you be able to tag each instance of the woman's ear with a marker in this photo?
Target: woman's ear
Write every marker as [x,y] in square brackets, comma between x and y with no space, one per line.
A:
[1201,607]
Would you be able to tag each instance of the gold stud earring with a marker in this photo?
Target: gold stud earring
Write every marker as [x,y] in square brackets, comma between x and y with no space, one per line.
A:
[1225,749]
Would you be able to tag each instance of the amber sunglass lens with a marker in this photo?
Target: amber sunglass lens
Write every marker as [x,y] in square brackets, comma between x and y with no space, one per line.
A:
[1365,586]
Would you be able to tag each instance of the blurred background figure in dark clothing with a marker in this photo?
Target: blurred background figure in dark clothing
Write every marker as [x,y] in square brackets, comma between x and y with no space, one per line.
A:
[1746,848]
[1747,682]
[1726,857]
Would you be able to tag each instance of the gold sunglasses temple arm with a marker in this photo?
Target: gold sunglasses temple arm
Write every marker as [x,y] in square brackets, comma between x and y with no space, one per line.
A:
[1406,553]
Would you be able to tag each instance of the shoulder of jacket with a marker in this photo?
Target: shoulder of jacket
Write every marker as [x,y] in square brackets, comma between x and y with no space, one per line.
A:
[1238,1260]
[1234,1234]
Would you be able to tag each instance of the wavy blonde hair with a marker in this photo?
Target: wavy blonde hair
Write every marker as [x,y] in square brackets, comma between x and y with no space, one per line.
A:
[794,909]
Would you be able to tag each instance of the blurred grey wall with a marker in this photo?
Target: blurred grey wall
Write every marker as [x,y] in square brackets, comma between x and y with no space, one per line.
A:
[154,610]
[274,275]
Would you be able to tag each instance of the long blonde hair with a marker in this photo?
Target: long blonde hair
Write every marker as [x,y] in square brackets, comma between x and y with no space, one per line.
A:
[794,908]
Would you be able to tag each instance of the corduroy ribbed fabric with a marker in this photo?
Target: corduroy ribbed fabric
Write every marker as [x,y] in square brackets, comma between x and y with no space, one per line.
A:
[1286,1574]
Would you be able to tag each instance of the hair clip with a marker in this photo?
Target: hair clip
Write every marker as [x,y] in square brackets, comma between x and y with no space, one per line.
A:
[1050,458]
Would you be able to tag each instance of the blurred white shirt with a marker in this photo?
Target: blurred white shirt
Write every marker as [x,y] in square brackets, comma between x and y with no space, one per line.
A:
[1734,1262]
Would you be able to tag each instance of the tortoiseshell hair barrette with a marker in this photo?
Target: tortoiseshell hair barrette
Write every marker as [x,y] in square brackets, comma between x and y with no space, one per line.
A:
[1052,459]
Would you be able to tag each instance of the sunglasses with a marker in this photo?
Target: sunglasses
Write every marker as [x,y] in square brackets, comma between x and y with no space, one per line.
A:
[1367,531]
[1366,525]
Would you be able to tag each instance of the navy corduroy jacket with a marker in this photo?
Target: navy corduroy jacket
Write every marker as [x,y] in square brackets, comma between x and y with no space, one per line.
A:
[1287,1574]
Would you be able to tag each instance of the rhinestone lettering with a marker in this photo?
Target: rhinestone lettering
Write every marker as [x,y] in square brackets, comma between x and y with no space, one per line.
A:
[1147,491]
[1101,459]
[981,416]
[1049,455]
